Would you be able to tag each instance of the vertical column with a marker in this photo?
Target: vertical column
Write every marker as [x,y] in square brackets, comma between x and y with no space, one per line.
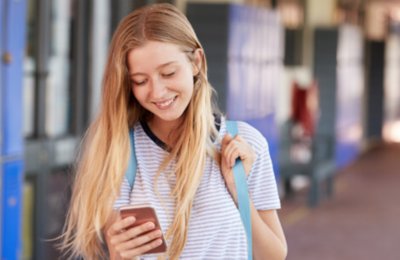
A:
[80,64]
[391,126]
[100,34]
[42,53]
[325,49]
[210,22]
[350,94]
[121,8]
[11,150]
[2,13]
[317,14]
[374,89]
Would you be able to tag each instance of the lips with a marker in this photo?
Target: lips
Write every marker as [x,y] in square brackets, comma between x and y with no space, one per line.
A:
[165,104]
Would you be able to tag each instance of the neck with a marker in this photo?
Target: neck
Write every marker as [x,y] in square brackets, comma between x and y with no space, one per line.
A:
[165,130]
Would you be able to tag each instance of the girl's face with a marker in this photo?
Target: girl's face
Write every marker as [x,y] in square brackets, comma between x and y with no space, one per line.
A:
[162,79]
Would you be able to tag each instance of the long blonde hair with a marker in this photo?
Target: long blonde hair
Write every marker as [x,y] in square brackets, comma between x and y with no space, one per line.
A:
[105,153]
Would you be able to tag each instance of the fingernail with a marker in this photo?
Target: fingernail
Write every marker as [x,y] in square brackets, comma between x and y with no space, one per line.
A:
[150,225]
[131,219]
[159,241]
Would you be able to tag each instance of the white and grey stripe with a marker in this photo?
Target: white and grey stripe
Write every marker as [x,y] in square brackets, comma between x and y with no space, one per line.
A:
[215,228]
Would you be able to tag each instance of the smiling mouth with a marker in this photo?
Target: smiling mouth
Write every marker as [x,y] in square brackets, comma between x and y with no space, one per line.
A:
[165,104]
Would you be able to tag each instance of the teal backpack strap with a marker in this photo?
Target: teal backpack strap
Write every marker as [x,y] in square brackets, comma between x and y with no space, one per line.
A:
[130,173]
[242,192]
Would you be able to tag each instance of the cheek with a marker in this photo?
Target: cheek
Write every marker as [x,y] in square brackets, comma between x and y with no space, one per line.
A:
[189,84]
[191,90]
[138,94]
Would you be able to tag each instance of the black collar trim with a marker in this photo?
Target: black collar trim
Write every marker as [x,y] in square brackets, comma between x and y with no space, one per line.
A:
[160,143]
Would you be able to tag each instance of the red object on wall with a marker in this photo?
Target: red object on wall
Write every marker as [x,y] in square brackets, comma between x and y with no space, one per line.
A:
[305,106]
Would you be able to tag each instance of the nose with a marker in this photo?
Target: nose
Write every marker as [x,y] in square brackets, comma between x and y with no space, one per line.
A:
[158,89]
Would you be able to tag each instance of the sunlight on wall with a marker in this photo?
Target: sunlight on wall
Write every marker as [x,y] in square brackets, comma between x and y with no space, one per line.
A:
[391,131]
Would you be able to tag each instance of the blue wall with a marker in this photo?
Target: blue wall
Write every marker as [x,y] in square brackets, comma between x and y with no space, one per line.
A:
[255,64]
[12,22]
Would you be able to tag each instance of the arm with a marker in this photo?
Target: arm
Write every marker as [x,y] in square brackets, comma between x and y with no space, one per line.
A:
[268,238]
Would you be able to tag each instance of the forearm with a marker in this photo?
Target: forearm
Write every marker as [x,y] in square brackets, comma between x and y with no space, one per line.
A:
[266,244]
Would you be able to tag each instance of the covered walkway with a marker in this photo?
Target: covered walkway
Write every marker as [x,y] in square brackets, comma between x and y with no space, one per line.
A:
[361,221]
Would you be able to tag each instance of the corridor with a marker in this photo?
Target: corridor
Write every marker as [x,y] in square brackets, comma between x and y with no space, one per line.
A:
[361,221]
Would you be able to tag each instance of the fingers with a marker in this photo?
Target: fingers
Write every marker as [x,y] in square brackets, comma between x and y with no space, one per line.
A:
[231,153]
[125,235]
[225,141]
[131,241]
[231,149]
[226,149]
[120,225]
[141,250]
[139,241]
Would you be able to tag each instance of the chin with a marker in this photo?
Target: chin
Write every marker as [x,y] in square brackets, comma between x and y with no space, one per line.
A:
[169,118]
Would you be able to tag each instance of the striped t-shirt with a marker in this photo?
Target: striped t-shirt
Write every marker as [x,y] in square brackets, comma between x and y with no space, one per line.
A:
[215,227]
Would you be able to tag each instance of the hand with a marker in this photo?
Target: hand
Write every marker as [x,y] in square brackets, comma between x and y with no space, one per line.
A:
[231,149]
[130,242]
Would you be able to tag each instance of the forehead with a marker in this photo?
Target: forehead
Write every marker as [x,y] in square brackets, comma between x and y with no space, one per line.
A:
[153,54]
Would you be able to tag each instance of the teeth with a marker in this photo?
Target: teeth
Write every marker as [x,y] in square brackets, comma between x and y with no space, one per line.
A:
[165,103]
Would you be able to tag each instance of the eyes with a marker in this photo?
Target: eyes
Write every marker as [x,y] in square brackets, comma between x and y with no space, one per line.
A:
[140,81]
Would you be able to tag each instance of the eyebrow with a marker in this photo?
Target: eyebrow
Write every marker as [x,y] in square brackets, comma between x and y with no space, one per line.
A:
[159,67]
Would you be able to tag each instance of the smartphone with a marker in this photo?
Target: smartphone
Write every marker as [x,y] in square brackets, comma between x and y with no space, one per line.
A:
[144,215]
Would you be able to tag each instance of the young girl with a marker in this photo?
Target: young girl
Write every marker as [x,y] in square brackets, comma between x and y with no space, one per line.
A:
[156,83]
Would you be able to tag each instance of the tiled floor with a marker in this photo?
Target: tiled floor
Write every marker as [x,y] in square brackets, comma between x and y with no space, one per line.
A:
[361,221]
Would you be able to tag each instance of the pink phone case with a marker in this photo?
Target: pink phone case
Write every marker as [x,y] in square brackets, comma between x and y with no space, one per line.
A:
[143,215]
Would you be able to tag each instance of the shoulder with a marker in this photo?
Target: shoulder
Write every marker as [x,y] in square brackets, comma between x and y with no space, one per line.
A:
[251,134]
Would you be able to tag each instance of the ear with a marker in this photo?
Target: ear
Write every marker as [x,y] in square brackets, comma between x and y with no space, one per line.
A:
[198,60]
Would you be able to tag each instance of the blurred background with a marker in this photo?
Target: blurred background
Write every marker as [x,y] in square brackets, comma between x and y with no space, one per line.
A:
[319,79]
